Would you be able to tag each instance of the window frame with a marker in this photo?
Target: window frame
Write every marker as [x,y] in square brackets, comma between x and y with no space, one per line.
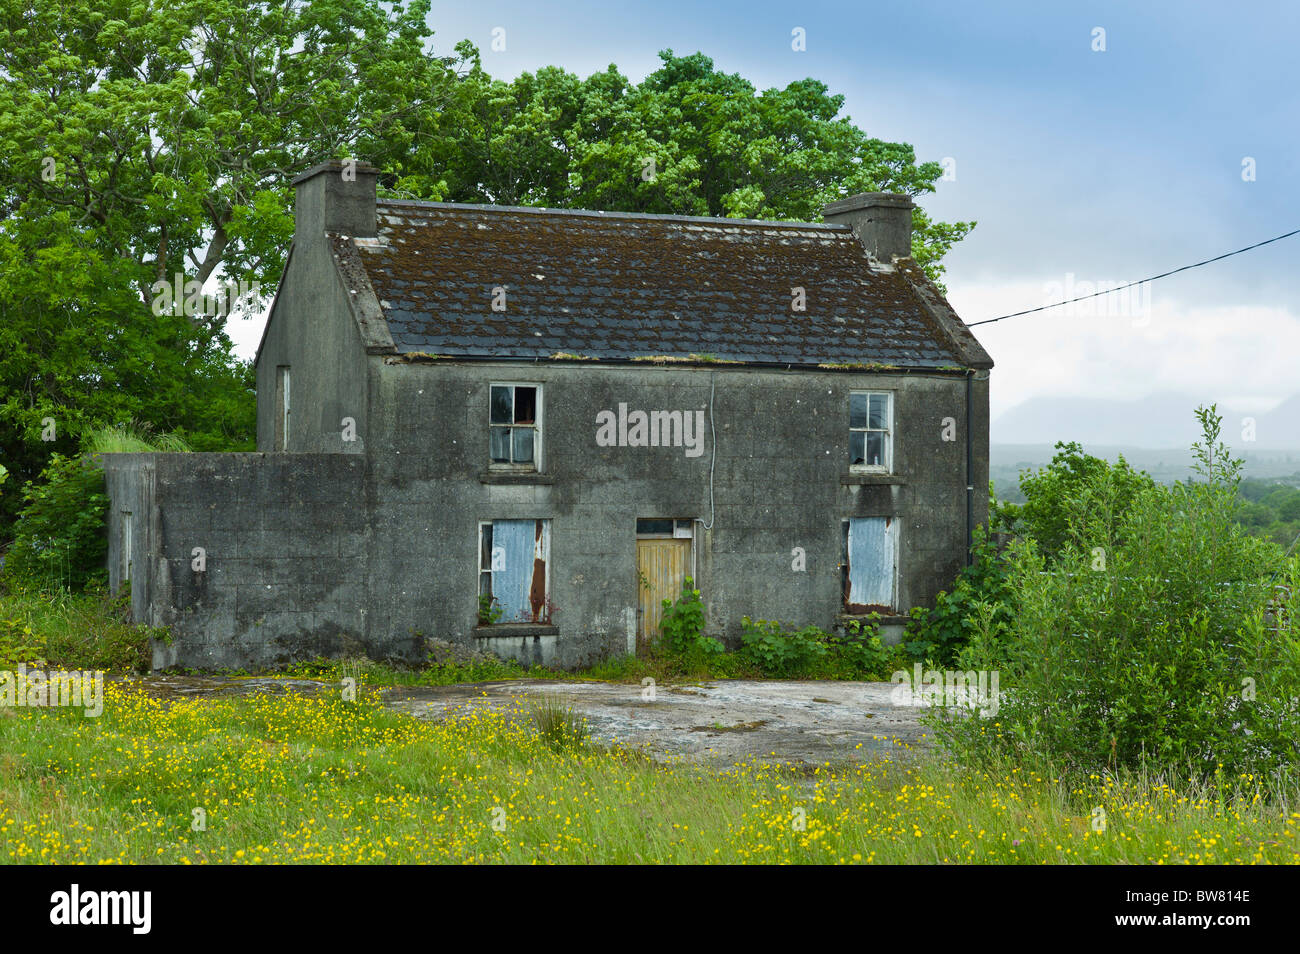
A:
[546,579]
[537,427]
[127,536]
[283,406]
[888,431]
[895,557]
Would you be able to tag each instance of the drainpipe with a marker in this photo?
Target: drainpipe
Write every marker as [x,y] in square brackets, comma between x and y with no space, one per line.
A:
[970,465]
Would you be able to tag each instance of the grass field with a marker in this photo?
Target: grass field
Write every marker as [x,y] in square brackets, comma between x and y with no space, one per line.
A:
[287,778]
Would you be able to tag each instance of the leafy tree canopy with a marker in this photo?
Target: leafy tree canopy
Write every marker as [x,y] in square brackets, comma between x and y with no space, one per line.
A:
[687,140]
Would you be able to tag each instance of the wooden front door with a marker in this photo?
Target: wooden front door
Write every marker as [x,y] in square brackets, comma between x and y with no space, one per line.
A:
[662,565]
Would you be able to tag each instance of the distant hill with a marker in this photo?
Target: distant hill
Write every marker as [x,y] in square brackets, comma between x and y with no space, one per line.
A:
[1006,461]
[1164,420]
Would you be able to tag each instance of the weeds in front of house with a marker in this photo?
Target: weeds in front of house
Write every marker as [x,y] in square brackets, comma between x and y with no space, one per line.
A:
[370,672]
[88,630]
[558,724]
[768,649]
[293,778]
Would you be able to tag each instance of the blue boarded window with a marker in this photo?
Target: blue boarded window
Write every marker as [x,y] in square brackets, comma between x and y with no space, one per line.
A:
[870,567]
[514,569]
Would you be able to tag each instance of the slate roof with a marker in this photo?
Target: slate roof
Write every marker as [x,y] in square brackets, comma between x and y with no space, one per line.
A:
[614,286]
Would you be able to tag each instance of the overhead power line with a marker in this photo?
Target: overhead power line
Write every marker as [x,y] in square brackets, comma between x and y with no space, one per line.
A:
[1143,281]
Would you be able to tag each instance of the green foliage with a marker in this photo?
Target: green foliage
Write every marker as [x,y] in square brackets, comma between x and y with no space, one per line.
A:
[1065,493]
[1270,510]
[768,649]
[489,610]
[60,541]
[73,630]
[373,673]
[682,626]
[137,439]
[1145,639]
[148,141]
[782,652]
[688,139]
[938,634]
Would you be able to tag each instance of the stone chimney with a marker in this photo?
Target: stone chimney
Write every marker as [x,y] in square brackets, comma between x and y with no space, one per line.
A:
[882,221]
[335,196]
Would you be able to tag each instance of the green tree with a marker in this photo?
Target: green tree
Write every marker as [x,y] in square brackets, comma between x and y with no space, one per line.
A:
[1148,638]
[156,143]
[1075,488]
[688,140]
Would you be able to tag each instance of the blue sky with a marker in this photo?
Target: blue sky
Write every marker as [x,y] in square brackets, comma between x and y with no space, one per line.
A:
[1079,166]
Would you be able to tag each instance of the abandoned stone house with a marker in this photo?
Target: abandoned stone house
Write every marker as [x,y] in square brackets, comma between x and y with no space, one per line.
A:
[520,429]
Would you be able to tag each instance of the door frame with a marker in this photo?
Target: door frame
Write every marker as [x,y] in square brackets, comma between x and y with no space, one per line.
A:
[691,538]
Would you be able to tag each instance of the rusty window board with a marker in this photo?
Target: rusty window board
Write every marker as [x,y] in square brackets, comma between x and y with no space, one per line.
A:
[870,565]
[514,568]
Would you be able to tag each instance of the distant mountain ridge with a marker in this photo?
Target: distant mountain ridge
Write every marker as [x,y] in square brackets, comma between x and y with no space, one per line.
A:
[1163,420]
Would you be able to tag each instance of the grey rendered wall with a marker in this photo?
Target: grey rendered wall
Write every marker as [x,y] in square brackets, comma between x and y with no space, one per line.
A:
[780,481]
[129,480]
[312,331]
[283,543]
[329,554]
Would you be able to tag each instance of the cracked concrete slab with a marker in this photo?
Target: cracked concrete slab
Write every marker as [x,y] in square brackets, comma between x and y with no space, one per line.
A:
[722,721]
[718,722]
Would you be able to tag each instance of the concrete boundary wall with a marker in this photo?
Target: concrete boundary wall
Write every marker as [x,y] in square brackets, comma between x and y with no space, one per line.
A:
[252,560]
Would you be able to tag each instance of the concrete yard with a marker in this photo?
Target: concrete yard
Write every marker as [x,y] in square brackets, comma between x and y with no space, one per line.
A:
[718,722]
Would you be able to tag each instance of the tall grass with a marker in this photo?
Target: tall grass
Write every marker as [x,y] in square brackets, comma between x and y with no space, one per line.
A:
[72,630]
[287,778]
[133,439]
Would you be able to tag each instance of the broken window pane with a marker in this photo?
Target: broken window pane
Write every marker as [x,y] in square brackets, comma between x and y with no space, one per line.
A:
[870,414]
[485,547]
[857,447]
[525,405]
[500,405]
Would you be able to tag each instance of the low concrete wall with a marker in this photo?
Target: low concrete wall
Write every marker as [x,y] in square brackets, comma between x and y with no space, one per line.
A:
[252,560]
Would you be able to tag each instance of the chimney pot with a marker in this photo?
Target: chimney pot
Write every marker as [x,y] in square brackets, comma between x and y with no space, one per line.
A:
[882,221]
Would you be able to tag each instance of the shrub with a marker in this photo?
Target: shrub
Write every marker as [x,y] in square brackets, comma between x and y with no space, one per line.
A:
[1060,494]
[59,541]
[937,635]
[782,654]
[813,653]
[682,626]
[1145,641]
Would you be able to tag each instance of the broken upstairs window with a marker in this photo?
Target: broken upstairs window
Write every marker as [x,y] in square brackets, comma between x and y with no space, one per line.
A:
[514,425]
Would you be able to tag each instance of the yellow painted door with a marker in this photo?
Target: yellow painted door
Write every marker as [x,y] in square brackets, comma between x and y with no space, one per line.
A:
[662,566]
